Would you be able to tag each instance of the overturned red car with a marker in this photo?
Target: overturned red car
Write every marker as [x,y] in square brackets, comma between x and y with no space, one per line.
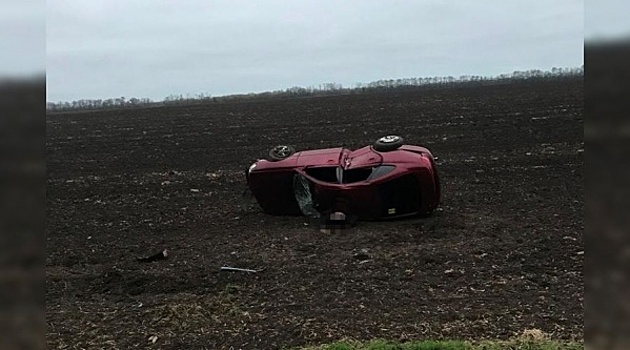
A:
[387,179]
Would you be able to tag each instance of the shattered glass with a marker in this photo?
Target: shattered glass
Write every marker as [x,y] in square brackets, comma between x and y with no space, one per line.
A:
[304,197]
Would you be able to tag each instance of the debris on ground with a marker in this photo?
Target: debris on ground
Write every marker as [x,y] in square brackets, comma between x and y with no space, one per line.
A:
[155,257]
[237,269]
[362,255]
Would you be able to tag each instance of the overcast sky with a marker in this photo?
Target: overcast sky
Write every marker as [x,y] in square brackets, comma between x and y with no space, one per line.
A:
[153,48]
[22,37]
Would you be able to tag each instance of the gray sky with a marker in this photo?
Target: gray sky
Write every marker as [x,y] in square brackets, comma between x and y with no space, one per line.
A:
[22,37]
[153,48]
[606,19]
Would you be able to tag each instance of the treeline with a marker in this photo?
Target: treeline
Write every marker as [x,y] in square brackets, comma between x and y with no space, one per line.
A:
[99,104]
[323,89]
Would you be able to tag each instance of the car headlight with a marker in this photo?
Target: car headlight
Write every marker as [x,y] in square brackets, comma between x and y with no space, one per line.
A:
[251,167]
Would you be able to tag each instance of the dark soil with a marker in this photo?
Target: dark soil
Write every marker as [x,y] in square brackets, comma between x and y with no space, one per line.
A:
[503,254]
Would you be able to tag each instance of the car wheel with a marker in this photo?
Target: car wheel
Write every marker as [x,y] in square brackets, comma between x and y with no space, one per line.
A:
[281,152]
[388,143]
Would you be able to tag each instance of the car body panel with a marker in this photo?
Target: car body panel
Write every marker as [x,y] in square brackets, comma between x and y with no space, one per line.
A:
[329,156]
[406,182]
[321,157]
[362,157]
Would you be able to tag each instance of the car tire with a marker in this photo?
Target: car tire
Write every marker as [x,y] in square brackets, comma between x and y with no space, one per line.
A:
[281,152]
[388,143]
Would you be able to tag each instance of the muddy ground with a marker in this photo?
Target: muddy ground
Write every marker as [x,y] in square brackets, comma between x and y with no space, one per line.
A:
[503,254]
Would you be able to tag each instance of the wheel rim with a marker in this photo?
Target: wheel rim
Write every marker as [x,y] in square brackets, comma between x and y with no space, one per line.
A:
[389,139]
[282,151]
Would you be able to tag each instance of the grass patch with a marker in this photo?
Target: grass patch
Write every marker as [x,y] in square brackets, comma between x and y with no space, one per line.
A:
[450,345]
[384,345]
[527,341]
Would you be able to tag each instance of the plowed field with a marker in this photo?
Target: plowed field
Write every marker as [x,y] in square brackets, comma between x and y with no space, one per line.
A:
[503,254]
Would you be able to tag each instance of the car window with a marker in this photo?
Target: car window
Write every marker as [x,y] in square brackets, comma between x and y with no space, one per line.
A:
[325,173]
[338,175]
[356,175]
[364,174]
[380,171]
